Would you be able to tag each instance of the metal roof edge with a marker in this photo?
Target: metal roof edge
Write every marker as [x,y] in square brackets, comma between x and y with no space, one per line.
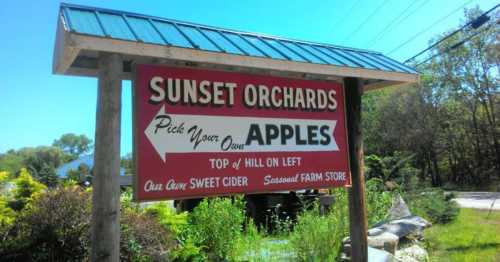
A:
[119,12]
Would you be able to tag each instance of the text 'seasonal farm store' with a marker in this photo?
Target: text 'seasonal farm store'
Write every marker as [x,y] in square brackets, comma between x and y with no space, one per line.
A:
[202,132]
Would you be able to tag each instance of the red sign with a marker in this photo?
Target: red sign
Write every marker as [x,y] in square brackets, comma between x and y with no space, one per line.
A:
[202,132]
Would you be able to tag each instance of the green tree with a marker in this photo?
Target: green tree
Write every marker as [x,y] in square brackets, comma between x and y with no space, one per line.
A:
[75,145]
[42,162]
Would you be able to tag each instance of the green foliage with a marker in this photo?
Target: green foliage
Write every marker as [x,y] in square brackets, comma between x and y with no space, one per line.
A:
[7,217]
[127,162]
[81,175]
[74,145]
[55,226]
[250,243]
[52,227]
[449,121]
[188,251]
[388,168]
[26,188]
[432,204]
[319,237]
[215,225]
[143,238]
[11,162]
[168,217]
[378,201]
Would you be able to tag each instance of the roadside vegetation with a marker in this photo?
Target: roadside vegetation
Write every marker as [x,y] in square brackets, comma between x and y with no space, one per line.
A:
[38,223]
[474,236]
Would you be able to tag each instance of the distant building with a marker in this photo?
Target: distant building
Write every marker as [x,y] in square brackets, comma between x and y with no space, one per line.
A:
[88,160]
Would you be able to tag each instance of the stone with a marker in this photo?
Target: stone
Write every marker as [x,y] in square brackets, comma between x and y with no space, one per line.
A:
[399,209]
[410,227]
[377,255]
[385,241]
[413,253]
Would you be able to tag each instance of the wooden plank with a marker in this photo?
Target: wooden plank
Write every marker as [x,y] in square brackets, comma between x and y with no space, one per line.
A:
[64,52]
[357,212]
[99,44]
[382,84]
[105,226]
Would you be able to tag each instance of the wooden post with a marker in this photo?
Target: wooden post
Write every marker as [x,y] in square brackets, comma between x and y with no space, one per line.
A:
[357,213]
[105,245]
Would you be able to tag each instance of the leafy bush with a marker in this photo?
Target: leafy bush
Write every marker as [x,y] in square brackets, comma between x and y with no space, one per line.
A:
[6,213]
[432,204]
[249,244]
[189,251]
[52,227]
[143,238]
[215,225]
[389,167]
[168,217]
[25,189]
[319,238]
[7,217]
[378,201]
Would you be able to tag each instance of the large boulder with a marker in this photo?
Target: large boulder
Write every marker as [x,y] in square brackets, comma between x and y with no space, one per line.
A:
[377,255]
[384,241]
[399,209]
[409,227]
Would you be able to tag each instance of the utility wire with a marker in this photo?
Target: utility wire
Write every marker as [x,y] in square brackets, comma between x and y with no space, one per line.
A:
[454,33]
[376,38]
[429,27]
[366,20]
[458,44]
[349,12]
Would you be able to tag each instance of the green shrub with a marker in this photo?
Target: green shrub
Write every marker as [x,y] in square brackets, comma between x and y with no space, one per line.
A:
[215,225]
[25,189]
[143,238]
[53,226]
[168,217]
[319,238]
[249,244]
[188,250]
[433,205]
[378,201]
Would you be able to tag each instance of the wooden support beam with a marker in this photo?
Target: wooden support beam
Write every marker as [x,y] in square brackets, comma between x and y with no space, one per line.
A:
[357,213]
[105,245]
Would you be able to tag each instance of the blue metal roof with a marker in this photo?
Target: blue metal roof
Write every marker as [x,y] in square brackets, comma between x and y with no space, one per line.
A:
[87,160]
[161,31]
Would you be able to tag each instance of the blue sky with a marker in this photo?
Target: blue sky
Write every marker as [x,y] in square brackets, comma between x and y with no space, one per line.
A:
[37,107]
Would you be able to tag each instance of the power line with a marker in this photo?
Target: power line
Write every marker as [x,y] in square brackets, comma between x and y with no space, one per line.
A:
[475,23]
[390,27]
[429,27]
[458,44]
[349,12]
[367,19]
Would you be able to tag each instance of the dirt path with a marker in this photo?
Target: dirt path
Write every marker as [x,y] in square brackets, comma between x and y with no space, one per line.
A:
[478,200]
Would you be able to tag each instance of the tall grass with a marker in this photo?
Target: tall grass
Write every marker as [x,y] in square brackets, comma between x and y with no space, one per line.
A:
[319,237]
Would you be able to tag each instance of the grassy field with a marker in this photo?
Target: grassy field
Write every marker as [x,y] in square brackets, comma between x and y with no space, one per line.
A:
[472,237]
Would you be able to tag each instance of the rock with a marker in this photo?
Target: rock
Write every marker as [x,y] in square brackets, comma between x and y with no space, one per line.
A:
[399,209]
[385,241]
[414,253]
[375,231]
[377,255]
[410,227]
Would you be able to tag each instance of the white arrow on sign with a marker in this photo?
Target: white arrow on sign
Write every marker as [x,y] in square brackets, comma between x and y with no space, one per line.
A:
[178,133]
